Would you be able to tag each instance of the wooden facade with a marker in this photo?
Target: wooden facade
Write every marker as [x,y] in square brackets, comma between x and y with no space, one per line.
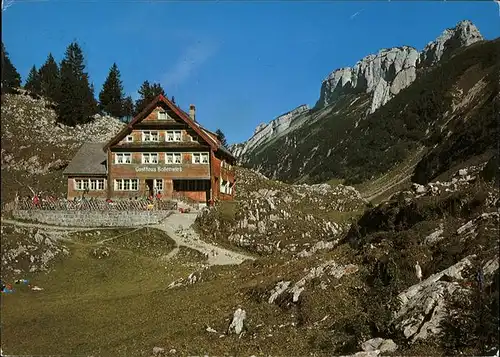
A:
[162,151]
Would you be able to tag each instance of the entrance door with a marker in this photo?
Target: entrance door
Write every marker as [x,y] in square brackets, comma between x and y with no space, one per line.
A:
[150,186]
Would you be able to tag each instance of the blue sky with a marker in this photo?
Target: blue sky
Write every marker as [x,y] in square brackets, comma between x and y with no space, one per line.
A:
[240,63]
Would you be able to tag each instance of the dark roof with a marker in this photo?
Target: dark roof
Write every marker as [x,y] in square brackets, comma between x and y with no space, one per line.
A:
[226,152]
[160,98]
[89,160]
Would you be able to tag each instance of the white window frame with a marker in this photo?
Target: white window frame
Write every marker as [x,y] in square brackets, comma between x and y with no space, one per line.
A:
[150,158]
[123,158]
[175,156]
[129,138]
[203,158]
[163,115]
[173,135]
[196,158]
[90,184]
[129,184]
[223,186]
[158,185]
[148,136]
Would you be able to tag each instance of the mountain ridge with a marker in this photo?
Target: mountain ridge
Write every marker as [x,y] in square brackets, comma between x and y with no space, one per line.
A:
[332,141]
[395,69]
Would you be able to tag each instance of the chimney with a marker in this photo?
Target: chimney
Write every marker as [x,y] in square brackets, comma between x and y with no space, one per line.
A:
[192,112]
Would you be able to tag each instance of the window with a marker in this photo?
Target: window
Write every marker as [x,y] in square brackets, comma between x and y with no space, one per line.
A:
[150,136]
[158,184]
[173,135]
[173,158]
[89,184]
[123,158]
[129,138]
[150,158]
[226,165]
[200,158]
[194,138]
[93,185]
[162,115]
[223,186]
[191,185]
[126,185]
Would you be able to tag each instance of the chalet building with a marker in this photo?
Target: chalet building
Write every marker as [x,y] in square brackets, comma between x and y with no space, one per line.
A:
[162,150]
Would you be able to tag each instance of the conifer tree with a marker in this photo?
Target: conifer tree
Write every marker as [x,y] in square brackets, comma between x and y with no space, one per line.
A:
[76,102]
[92,104]
[128,107]
[111,95]
[11,79]
[33,83]
[50,79]
[147,93]
[222,137]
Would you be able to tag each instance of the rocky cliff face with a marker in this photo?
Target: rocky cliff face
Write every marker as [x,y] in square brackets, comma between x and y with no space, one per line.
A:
[464,34]
[386,73]
[265,132]
[295,149]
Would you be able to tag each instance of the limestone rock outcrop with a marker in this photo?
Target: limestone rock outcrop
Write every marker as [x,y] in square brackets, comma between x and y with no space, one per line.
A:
[381,76]
[265,132]
[389,71]
[464,34]
[384,74]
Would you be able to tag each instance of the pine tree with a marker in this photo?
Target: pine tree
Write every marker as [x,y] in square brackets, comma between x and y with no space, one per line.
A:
[33,83]
[111,95]
[92,104]
[11,79]
[222,137]
[128,107]
[148,93]
[50,79]
[77,103]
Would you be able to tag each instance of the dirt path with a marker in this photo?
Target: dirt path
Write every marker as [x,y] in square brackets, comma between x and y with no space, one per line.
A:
[216,255]
[387,188]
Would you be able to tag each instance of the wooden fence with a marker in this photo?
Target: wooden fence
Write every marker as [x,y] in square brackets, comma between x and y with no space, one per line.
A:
[93,205]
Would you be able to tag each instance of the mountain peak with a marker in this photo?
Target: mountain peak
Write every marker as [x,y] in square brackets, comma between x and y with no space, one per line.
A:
[465,33]
[387,72]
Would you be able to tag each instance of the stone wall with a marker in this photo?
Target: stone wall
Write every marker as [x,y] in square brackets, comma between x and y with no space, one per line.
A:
[87,218]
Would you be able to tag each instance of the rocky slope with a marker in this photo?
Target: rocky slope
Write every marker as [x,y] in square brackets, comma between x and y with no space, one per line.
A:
[355,288]
[36,149]
[271,216]
[372,116]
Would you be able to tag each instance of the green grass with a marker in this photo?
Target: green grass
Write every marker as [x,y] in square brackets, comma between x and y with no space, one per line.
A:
[227,210]
[335,182]
[120,306]
[90,303]
[397,178]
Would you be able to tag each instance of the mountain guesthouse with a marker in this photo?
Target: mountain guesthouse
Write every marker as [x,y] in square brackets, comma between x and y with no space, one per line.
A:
[162,151]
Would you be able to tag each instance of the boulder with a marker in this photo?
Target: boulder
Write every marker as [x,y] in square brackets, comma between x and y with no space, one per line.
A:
[236,325]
